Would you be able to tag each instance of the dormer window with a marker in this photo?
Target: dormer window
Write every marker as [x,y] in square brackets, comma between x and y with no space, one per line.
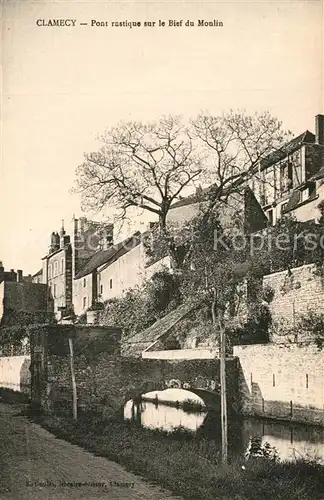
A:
[282,208]
[308,192]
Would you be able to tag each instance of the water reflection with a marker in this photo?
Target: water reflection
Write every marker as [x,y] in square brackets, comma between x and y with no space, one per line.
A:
[162,417]
[290,441]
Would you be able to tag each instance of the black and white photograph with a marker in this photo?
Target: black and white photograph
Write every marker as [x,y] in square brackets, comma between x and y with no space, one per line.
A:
[162,250]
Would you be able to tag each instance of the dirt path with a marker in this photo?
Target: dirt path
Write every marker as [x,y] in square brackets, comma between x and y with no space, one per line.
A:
[36,465]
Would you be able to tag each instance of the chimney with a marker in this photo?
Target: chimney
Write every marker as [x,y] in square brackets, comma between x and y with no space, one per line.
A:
[55,242]
[19,275]
[62,235]
[106,237]
[319,129]
[11,276]
[82,222]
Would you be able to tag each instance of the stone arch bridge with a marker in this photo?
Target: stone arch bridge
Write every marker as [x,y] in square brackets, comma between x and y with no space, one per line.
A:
[106,380]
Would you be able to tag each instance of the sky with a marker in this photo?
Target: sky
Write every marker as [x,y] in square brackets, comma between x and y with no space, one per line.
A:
[62,86]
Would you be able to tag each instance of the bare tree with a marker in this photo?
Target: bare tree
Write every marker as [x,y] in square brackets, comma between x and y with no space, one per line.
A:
[139,165]
[236,144]
[149,166]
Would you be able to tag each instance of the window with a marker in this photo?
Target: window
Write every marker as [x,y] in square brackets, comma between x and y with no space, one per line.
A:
[312,189]
[62,265]
[282,208]
[286,176]
[50,270]
[110,284]
[56,268]
[54,291]
[84,282]
[306,380]
[273,380]
[101,289]
[269,214]
[84,302]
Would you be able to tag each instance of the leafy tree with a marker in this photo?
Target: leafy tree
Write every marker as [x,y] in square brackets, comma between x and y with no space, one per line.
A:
[292,243]
[163,293]
[219,268]
[313,324]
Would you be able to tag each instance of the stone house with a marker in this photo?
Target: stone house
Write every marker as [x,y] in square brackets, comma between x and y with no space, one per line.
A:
[57,272]
[67,256]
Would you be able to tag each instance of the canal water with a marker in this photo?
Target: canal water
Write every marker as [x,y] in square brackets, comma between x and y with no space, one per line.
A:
[291,441]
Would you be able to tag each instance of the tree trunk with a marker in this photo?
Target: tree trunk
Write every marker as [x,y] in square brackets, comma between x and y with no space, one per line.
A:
[162,221]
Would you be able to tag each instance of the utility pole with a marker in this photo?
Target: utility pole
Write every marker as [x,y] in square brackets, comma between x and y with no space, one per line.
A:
[223,389]
[222,374]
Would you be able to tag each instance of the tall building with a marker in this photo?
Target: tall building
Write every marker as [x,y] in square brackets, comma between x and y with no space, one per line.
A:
[66,256]
[290,180]
[57,271]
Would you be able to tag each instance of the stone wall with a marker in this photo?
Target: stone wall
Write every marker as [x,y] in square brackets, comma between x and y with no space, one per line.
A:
[23,302]
[282,381]
[15,373]
[106,382]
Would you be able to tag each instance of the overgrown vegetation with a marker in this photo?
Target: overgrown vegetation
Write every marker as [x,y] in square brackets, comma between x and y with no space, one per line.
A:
[313,324]
[140,307]
[291,243]
[190,465]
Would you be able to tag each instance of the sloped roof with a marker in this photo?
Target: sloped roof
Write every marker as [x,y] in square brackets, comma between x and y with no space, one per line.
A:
[38,273]
[289,148]
[108,256]
[196,197]
[318,175]
[135,345]
[254,216]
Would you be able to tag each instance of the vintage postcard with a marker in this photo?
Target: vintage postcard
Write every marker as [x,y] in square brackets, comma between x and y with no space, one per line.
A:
[162,250]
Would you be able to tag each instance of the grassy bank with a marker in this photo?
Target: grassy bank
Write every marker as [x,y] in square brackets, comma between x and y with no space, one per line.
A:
[188,465]
[12,397]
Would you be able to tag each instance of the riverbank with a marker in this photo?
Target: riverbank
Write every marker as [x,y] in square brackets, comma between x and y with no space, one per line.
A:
[187,465]
[34,465]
